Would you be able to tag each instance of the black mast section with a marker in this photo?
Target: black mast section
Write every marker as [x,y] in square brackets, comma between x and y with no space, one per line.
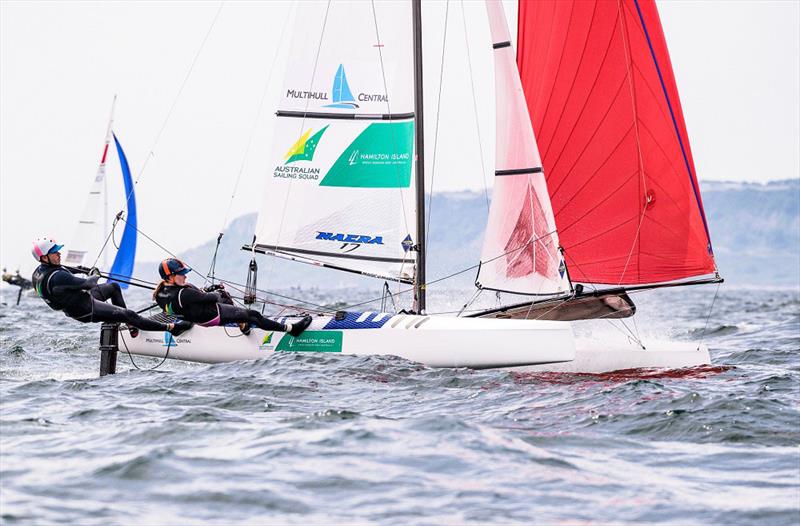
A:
[419,132]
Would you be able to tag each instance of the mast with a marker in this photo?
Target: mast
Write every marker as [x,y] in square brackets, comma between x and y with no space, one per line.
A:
[419,132]
[105,180]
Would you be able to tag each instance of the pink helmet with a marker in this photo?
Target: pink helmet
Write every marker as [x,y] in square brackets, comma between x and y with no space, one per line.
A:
[44,246]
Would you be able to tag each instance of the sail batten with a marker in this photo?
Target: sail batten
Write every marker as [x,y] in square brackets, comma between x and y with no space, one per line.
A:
[604,104]
[351,116]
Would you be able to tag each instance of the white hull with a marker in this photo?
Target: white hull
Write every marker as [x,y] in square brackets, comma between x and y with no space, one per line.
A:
[437,341]
[432,340]
[591,356]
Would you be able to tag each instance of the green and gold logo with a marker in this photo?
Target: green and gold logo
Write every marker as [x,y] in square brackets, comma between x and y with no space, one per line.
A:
[303,149]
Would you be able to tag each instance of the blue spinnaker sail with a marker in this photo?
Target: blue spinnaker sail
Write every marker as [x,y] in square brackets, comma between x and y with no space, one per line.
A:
[123,262]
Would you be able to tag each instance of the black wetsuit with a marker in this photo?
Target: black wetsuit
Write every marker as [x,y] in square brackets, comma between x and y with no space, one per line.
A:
[84,300]
[209,308]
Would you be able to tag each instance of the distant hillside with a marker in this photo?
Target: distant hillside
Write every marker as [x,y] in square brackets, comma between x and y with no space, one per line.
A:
[755,230]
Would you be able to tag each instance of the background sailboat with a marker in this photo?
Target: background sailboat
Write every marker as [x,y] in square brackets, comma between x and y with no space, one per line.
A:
[91,243]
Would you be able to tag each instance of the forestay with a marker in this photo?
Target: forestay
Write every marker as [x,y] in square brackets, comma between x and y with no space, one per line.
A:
[520,252]
[340,186]
[605,107]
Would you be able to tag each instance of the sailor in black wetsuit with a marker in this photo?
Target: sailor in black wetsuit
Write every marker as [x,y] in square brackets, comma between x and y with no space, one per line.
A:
[210,308]
[83,299]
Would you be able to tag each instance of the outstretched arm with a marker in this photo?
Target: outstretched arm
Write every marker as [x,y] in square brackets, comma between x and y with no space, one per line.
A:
[63,280]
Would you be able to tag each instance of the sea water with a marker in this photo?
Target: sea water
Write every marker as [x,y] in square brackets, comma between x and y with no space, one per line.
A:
[319,439]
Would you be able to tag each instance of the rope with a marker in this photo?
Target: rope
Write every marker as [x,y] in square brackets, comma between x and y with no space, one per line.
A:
[113,226]
[234,285]
[151,153]
[257,118]
[160,131]
[130,356]
[159,245]
[623,33]
[703,335]
[438,119]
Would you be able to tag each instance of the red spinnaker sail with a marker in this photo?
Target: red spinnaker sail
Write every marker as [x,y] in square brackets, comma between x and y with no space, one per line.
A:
[605,109]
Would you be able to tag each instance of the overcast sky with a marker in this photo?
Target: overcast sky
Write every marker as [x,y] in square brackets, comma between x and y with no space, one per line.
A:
[737,66]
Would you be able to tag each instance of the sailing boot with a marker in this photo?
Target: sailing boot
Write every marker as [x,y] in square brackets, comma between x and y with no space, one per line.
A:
[297,328]
[180,326]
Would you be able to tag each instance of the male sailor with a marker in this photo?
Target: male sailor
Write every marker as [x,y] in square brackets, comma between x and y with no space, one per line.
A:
[83,299]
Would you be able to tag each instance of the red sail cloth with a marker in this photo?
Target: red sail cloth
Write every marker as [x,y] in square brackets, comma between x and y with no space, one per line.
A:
[605,110]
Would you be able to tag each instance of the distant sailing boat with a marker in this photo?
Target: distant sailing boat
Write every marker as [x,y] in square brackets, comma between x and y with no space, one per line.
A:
[89,237]
[349,193]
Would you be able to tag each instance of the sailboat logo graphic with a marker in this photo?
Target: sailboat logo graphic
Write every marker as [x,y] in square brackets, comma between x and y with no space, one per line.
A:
[341,94]
[303,149]
[169,341]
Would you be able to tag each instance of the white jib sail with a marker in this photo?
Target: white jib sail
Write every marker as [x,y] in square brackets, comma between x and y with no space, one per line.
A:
[340,184]
[89,234]
[520,250]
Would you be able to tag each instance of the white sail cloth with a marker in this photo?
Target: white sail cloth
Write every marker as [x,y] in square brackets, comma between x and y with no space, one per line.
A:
[520,251]
[89,232]
[340,186]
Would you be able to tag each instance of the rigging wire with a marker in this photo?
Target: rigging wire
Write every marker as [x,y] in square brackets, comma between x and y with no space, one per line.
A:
[302,125]
[623,28]
[159,245]
[151,152]
[163,125]
[438,119]
[234,286]
[459,272]
[475,108]
[379,47]
[108,237]
[710,309]
[257,118]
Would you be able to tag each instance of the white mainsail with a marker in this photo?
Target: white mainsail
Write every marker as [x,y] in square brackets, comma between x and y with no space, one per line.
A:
[340,186]
[520,251]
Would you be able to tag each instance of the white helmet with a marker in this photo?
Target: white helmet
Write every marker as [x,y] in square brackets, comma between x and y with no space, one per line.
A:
[44,246]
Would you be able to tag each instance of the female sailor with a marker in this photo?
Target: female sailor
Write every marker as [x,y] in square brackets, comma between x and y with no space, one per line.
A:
[209,308]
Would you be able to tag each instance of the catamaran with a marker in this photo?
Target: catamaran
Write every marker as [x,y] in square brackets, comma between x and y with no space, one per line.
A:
[605,202]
